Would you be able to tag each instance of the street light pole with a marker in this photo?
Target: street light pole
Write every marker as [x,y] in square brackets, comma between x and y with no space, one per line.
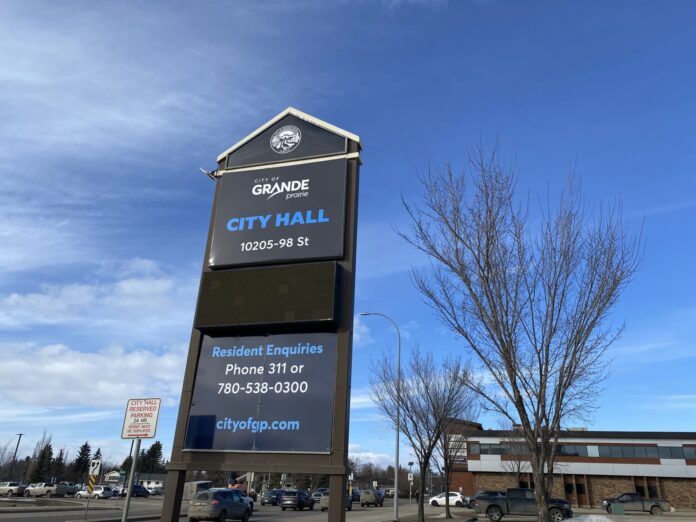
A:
[410,481]
[398,408]
[14,457]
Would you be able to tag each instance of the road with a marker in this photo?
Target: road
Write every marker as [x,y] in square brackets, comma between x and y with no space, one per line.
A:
[99,509]
[112,509]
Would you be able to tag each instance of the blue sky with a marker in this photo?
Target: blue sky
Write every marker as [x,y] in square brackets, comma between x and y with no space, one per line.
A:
[107,109]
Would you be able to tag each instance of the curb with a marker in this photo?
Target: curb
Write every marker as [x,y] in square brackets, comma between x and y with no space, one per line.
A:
[49,509]
[134,518]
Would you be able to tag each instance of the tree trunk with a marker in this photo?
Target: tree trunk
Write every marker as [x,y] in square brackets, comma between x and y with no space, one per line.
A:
[541,491]
[448,480]
[421,493]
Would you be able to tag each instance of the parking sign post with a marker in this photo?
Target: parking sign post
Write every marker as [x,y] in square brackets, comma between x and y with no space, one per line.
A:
[131,478]
[139,422]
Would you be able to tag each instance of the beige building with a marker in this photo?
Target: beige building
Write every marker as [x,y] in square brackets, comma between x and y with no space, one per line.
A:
[592,465]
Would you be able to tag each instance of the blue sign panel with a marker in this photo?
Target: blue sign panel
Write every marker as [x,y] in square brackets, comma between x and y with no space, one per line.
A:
[267,394]
[280,214]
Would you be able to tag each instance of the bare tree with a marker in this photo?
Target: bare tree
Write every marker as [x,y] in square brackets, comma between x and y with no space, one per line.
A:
[516,458]
[427,394]
[532,304]
[5,458]
[452,446]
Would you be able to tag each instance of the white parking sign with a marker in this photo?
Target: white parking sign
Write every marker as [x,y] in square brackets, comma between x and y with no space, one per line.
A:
[141,417]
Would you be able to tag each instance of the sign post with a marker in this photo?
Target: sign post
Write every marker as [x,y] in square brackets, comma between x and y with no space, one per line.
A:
[139,422]
[94,469]
[267,380]
[410,486]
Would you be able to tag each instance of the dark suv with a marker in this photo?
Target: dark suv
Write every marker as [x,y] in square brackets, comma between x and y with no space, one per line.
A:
[272,496]
[471,501]
[297,500]
[218,504]
[138,491]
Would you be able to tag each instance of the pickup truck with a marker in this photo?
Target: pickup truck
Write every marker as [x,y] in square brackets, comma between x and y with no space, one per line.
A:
[520,501]
[9,489]
[45,489]
[70,488]
[635,502]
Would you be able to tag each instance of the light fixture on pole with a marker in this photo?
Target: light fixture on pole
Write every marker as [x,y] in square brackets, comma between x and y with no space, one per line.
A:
[14,457]
[398,408]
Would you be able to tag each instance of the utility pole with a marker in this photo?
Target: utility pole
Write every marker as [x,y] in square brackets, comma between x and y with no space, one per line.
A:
[14,457]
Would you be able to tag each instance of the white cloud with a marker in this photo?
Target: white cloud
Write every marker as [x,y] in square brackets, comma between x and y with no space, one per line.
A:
[361,332]
[142,304]
[365,455]
[408,328]
[56,376]
[360,399]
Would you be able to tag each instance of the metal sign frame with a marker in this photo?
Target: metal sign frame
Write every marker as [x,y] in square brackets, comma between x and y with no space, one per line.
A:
[335,463]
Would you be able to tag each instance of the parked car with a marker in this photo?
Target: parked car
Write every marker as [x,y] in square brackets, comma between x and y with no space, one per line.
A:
[9,489]
[324,501]
[297,500]
[455,499]
[355,496]
[471,501]
[635,502]
[70,487]
[521,501]
[156,490]
[249,501]
[97,492]
[272,496]
[45,489]
[316,496]
[371,497]
[138,491]
[218,504]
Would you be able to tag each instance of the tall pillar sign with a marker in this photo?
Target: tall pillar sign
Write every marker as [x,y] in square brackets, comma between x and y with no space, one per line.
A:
[267,380]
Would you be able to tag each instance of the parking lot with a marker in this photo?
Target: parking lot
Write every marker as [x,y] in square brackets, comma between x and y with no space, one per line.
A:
[107,510]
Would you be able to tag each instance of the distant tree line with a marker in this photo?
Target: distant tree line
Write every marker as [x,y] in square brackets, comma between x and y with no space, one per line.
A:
[48,465]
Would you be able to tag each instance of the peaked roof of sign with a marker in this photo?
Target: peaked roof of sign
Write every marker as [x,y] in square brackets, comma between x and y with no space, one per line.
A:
[299,114]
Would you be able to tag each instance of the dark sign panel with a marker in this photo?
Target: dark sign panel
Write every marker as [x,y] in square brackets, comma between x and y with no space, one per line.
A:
[264,394]
[267,295]
[287,140]
[280,214]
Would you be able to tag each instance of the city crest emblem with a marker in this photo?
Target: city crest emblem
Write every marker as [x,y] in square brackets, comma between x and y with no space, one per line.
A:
[286,139]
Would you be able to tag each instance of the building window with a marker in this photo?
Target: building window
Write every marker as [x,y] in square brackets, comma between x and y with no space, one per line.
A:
[474,448]
[651,452]
[690,453]
[605,451]
[677,453]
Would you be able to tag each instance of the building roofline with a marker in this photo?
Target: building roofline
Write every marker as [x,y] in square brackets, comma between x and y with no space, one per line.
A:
[567,434]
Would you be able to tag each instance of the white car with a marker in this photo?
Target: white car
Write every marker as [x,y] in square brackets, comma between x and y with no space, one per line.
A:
[455,499]
[98,492]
